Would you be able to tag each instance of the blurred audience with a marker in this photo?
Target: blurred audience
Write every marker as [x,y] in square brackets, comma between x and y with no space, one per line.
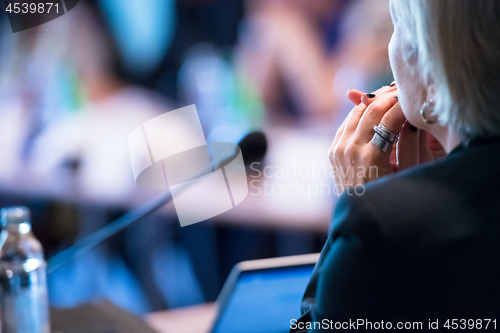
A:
[61,79]
[301,54]
[72,90]
[95,134]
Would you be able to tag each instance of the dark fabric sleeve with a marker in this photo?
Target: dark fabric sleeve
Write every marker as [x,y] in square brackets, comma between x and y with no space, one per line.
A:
[355,276]
[359,277]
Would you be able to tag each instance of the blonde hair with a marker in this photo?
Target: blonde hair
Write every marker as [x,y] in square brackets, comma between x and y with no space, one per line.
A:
[457,43]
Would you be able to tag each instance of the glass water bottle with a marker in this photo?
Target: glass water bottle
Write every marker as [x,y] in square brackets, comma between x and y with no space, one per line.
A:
[23,298]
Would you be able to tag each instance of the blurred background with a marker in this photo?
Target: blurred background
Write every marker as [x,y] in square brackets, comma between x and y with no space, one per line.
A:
[72,90]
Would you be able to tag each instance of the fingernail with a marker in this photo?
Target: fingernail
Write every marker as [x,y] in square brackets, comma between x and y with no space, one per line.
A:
[396,98]
[413,128]
[370,95]
[393,83]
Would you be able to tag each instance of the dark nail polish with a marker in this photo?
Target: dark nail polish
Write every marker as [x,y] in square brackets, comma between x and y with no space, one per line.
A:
[370,95]
[396,98]
[393,83]
[413,128]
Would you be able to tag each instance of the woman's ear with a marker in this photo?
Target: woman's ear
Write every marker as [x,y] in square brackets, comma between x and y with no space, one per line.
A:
[427,111]
[431,92]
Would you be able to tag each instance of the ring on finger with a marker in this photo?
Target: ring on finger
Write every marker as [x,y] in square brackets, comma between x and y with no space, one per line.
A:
[383,138]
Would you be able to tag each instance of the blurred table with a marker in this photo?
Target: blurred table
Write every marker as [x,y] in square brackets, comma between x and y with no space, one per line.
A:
[294,190]
[193,319]
[296,162]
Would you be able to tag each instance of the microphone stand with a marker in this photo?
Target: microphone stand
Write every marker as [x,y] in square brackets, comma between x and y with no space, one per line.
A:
[107,231]
[246,144]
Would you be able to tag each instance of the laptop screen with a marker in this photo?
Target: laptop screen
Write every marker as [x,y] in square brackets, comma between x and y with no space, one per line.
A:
[265,300]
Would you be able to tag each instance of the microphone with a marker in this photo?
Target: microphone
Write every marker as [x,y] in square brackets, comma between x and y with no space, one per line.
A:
[253,148]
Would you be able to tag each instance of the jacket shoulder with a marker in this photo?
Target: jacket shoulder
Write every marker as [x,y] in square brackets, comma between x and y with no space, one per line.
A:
[420,204]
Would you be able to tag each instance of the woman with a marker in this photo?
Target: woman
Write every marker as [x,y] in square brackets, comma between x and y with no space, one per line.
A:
[419,248]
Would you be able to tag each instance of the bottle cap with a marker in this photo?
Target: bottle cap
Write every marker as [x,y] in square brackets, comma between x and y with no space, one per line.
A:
[15,215]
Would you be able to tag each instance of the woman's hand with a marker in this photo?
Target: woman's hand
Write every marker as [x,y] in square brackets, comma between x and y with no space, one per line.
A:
[355,160]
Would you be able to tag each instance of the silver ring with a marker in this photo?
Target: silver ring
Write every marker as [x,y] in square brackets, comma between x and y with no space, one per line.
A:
[380,142]
[383,138]
[386,134]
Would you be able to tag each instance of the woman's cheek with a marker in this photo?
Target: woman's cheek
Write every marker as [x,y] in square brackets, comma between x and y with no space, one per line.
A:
[405,74]
[393,55]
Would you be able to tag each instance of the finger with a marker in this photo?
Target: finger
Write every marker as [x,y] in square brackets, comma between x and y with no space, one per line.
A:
[436,148]
[367,99]
[394,158]
[339,133]
[355,96]
[393,120]
[352,121]
[385,106]
[356,114]
[408,147]
[338,172]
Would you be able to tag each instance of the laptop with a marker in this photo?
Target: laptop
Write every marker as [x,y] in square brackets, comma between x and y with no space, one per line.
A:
[263,295]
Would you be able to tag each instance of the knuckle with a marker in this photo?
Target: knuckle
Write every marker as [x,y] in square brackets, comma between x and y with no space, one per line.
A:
[390,121]
[375,108]
[350,151]
[334,153]
[338,151]
[339,132]
[331,154]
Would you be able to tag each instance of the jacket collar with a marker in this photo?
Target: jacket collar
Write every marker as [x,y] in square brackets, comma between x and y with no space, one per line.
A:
[474,142]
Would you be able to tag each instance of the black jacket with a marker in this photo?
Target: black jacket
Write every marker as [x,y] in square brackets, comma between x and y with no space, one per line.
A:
[419,245]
